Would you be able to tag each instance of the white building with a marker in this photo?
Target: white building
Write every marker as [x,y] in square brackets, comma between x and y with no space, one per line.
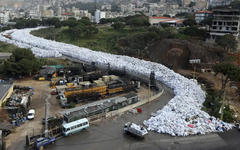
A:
[106,7]
[215,3]
[201,15]
[99,15]
[4,17]
[225,21]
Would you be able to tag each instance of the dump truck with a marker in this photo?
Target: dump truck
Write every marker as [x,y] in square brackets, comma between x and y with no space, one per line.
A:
[134,129]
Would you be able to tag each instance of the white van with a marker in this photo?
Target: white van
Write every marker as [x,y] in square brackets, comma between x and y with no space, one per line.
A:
[31,114]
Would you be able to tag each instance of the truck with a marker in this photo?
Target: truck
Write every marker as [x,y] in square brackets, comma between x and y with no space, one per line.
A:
[134,129]
[44,141]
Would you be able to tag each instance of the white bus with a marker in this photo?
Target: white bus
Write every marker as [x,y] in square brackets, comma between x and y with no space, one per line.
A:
[75,126]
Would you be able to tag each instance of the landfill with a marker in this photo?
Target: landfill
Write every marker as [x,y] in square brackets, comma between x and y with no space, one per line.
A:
[182,116]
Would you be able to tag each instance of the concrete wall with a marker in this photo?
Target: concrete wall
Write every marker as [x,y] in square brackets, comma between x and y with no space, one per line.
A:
[141,102]
[97,118]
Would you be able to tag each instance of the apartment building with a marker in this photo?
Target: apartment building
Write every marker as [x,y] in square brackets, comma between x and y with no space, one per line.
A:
[225,21]
[202,15]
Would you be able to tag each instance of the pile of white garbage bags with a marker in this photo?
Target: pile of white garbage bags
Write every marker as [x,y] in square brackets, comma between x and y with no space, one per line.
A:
[182,116]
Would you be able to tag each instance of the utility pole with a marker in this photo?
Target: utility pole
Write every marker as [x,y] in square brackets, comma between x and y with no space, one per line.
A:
[222,107]
[149,90]
[46,116]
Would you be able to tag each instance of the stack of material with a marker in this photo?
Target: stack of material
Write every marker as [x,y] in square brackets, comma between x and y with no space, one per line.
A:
[181,116]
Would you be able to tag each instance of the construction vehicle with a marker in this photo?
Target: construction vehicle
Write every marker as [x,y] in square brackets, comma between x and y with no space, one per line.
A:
[134,129]
[102,90]
[41,79]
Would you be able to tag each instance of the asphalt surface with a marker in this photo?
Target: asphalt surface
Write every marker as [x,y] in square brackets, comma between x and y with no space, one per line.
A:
[108,135]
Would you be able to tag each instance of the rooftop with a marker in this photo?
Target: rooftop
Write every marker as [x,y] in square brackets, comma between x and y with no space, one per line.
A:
[167,19]
[227,10]
[204,12]
[5,55]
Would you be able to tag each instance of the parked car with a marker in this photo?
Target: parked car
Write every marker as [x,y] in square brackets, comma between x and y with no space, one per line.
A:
[31,114]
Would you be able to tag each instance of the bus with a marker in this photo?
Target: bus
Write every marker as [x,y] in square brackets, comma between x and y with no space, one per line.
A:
[75,126]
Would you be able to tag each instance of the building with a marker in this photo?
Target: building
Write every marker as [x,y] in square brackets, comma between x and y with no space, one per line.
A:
[201,15]
[99,15]
[4,56]
[157,21]
[4,17]
[99,108]
[216,3]
[6,90]
[225,21]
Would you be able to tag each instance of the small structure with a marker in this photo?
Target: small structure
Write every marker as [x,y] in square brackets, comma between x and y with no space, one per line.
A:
[99,107]
[157,21]
[5,56]
[6,90]
[47,73]
[202,15]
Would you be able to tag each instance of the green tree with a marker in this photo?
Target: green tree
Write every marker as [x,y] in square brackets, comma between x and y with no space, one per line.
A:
[137,21]
[118,25]
[195,32]
[85,21]
[90,30]
[229,72]
[228,42]
[207,21]
[21,63]
[105,20]
[70,22]
[52,22]
[192,4]
[189,22]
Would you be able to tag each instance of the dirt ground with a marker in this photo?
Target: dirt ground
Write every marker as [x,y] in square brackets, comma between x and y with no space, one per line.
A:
[232,94]
[41,91]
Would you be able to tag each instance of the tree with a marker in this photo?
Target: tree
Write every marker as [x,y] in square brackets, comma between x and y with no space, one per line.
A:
[229,72]
[195,32]
[189,22]
[70,23]
[118,25]
[52,22]
[228,42]
[105,20]
[21,63]
[85,21]
[167,15]
[137,21]
[192,4]
[207,21]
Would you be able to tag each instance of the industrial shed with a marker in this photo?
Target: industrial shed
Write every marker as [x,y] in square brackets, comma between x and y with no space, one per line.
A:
[6,89]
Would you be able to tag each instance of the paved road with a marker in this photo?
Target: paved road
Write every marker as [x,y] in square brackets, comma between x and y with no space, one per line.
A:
[108,135]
